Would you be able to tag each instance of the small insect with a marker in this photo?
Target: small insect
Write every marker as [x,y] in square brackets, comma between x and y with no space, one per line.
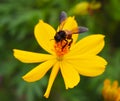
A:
[67,34]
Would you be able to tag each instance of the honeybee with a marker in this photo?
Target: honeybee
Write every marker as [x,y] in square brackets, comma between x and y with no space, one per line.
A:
[67,34]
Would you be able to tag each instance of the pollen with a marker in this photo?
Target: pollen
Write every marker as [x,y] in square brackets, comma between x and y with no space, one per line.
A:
[61,48]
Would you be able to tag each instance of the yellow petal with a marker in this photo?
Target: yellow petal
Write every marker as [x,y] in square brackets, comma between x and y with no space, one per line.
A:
[106,82]
[31,57]
[92,44]
[70,23]
[44,34]
[70,75]
[81,8]
[39,71]
[95,5]
[115,85]
[88,65]
[53,75]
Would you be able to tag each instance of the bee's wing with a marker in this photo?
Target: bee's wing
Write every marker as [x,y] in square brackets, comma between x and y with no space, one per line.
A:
[79,30]
[63,17]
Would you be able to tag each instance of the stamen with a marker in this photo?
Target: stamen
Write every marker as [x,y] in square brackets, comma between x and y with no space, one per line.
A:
[61,48]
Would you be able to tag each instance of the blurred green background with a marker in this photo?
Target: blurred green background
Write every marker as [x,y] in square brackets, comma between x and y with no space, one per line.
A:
[17,21]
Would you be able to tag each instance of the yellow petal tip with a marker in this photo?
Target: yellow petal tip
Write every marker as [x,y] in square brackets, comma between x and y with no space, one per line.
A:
[23,77]
[14,52]
[101,35]
[46,95]
[41,21]
[26,79]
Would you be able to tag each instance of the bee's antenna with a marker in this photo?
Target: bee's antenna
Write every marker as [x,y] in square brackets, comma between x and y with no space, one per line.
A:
[82,29]
[63,16]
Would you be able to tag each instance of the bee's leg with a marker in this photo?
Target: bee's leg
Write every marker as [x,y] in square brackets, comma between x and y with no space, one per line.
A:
[70,42]
[65,44]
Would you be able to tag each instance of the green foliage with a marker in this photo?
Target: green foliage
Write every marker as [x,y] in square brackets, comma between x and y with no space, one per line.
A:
[17,21]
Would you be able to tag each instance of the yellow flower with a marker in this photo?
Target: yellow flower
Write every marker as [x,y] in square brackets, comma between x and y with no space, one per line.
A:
[111,92]
[85,7]
[78,58]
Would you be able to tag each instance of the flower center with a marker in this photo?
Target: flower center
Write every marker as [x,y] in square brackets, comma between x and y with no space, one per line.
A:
[61,48]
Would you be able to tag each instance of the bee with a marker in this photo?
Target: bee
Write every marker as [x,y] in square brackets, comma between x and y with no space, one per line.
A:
[67,34]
